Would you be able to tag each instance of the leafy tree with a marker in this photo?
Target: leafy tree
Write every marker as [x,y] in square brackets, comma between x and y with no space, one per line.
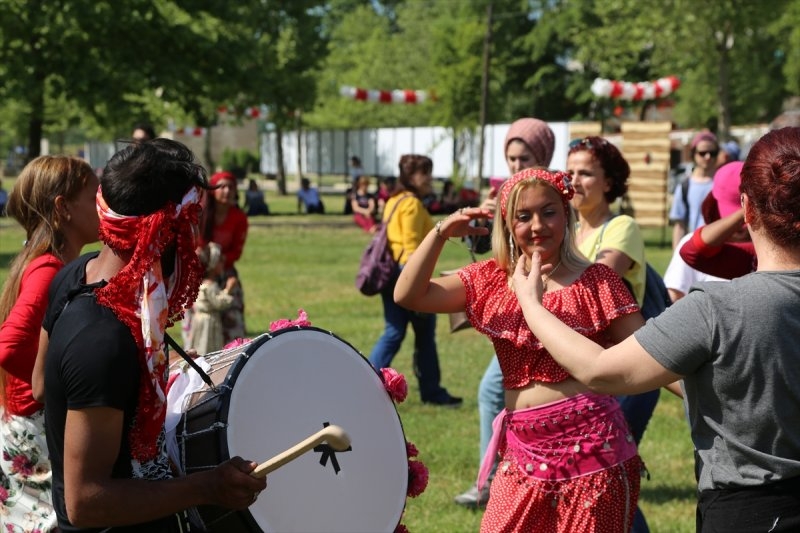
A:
[722,51]
[364,51]
[725,56]
[124,58]
[787,34]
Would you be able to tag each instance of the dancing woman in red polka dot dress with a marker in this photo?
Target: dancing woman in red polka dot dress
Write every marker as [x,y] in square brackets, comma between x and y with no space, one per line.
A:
[567,459]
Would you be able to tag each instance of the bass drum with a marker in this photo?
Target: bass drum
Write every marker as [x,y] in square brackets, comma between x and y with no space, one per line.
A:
[275,391]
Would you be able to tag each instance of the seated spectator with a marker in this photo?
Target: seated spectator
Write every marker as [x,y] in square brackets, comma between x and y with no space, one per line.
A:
[449,200]
[468,197]
[254,202]
[386,187]
[431,203]
[363,205]
[308,199]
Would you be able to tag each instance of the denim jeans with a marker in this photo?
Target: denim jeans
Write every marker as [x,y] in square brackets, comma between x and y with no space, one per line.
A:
[426,357]
[638,409]
[491,400]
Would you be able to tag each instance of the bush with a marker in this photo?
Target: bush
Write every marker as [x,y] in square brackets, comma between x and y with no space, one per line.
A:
[239,162]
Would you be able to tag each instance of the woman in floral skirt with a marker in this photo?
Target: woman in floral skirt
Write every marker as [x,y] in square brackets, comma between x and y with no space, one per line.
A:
[54,201]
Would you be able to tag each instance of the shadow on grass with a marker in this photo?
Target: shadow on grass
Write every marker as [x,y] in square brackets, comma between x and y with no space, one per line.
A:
[5,259]
[660,495]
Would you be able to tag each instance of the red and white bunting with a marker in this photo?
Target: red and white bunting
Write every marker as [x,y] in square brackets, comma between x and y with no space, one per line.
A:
[625,90]
[191,131]
[397,96]
[247,112]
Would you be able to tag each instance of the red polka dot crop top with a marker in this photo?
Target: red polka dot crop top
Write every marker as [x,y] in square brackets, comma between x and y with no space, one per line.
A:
[588,306]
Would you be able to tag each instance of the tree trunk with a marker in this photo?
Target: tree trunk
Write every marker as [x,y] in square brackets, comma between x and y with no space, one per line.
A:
[34,137]
[207,151]
[281,168]
[723,94]
[36,121]
[299,129]
[487,45]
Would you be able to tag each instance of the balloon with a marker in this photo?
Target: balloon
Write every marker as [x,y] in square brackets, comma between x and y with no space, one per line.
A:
[397,96]
[625,90]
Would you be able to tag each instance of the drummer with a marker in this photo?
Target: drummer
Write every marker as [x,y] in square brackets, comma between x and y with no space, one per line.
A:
[105,371]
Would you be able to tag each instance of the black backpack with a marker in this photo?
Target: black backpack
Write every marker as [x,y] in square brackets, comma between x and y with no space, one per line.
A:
[656,296]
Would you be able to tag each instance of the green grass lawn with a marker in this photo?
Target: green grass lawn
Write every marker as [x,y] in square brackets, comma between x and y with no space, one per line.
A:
[309,262]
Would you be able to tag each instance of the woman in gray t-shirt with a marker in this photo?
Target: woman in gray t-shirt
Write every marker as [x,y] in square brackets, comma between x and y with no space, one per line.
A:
[735,347]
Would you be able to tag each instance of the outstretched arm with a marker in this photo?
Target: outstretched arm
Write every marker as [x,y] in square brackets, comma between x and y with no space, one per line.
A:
[625,368]
[416,287]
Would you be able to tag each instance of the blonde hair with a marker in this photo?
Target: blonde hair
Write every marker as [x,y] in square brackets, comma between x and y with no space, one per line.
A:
[569,254]
[32,202]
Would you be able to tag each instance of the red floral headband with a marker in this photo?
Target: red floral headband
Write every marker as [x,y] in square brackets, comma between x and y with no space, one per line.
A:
[560,181]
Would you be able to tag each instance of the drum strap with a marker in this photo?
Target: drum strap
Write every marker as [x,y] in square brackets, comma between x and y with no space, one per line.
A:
[177,347]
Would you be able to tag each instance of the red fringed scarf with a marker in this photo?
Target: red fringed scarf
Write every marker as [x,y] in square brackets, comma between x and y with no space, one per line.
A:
[140,298]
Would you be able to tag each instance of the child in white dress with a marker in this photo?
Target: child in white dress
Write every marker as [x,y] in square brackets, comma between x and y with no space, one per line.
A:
[205,331]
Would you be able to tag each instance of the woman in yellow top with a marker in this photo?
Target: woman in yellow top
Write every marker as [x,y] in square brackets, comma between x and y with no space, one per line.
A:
[410,222]
[600,175]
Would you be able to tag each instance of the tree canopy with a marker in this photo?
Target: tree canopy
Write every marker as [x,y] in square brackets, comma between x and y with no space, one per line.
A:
[73,69]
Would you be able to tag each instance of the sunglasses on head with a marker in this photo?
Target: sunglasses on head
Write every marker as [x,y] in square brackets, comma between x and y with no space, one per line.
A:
[587,142]
[704,153]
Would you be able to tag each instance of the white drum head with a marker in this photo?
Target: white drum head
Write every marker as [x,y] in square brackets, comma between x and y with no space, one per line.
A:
[291,385]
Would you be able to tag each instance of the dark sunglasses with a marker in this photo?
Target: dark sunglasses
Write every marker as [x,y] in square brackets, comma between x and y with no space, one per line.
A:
[712,153]
[587,142]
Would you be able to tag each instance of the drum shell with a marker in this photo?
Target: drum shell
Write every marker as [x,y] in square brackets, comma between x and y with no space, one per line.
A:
[207,446]
[205,426]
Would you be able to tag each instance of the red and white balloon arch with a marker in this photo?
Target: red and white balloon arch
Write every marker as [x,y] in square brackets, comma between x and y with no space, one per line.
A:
[625,90]
[397,96]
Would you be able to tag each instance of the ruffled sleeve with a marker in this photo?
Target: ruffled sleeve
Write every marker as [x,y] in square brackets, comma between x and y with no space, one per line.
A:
[588,306]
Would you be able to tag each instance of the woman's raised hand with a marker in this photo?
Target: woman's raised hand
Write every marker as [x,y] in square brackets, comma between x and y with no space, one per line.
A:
[458,223]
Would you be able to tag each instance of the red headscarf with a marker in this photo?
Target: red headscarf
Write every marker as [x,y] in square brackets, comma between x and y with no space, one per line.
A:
[141,299]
